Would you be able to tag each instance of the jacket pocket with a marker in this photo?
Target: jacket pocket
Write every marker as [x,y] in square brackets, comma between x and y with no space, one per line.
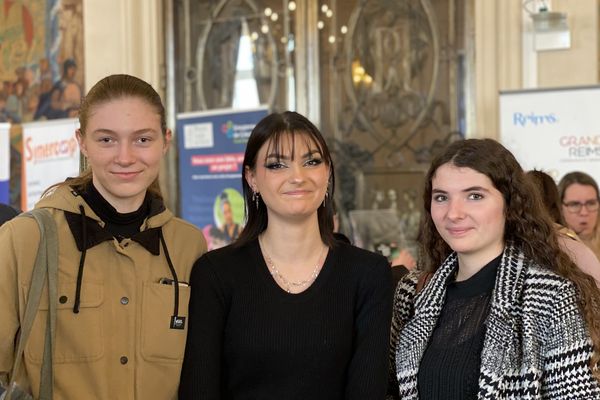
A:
[79,337]
[159,341]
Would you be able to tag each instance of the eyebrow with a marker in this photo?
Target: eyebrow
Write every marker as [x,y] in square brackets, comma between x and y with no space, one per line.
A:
[284,157]
[469,189]
[110,131]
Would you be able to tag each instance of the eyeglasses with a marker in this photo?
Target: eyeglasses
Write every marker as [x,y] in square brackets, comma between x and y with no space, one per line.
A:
[575,206]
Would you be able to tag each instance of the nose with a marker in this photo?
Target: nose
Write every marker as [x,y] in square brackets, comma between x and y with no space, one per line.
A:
[125,155]
[456,210]
[296,173]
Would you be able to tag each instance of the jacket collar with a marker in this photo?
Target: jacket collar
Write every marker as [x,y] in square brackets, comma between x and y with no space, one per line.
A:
[96,234]
[429,302]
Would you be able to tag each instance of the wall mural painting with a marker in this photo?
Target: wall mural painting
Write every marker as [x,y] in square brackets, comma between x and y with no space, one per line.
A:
[41,66]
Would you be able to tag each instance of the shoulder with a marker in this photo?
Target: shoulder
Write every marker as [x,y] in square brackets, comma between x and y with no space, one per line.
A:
[547,294]
[226,264]
[227,259]
[406,289]
[356,257]
[184,227]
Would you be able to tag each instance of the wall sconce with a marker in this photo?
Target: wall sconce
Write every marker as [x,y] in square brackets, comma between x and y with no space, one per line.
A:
[551,31]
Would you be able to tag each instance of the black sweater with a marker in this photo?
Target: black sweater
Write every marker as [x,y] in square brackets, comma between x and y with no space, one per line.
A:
[249,339]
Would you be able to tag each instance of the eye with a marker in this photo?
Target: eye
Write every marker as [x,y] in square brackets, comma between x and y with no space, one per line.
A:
[144,140]
[475,196]
[313,162]
[105,140]
[439,198]
[274,165]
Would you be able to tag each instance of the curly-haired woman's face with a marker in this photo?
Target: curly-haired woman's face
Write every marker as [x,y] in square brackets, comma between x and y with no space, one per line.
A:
[468,212]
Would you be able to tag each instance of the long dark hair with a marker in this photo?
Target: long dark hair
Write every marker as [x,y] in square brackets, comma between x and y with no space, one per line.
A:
[270,130]
[527,225]
[549,193]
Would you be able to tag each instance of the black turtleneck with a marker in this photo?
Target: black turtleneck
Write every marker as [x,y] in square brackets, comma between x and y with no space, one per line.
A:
[120,225]
[451,363]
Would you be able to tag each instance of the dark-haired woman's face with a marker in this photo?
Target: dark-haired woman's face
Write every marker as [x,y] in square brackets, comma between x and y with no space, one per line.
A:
[468,212]
[291,180]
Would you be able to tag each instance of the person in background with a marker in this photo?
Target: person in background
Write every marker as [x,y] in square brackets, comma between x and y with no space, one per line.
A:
[579,197]
[287,311]
[501,312]
[7,213]
[125,260]
[230,229]
[568,240]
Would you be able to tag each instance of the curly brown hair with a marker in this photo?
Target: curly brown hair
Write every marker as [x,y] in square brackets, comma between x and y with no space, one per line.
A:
[527,225]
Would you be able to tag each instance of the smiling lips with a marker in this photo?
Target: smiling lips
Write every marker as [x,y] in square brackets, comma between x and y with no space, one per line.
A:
[127,175]
[457,232]
[296,192]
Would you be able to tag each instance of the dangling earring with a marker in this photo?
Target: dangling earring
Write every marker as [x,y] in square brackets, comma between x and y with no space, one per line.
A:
[326,196]
[256,198]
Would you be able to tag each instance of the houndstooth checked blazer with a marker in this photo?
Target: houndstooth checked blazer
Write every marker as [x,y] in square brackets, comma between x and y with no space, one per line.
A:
[536,344]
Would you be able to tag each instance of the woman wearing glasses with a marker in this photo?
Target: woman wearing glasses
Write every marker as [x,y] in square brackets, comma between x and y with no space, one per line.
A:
[579,198]
[568,240]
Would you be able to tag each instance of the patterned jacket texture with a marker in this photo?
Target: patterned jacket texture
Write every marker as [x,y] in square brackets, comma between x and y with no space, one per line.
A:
[536,344]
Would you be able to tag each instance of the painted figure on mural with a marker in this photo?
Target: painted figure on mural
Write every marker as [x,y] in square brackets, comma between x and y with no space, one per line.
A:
[41,58]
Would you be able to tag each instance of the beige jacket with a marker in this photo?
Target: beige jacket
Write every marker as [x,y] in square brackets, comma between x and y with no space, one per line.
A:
[120,344]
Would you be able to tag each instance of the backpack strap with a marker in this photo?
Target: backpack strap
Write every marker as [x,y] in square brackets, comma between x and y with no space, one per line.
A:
[45,268]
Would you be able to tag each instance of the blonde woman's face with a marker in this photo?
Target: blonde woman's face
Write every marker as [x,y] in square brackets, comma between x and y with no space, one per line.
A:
[124,145]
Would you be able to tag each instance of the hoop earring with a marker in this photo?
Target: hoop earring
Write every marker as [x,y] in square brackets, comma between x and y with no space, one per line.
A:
[256,198]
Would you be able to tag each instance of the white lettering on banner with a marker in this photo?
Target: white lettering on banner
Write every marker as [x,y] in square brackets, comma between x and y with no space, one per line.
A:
[50,155]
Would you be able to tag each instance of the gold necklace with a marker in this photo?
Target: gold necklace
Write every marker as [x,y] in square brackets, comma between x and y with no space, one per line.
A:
[287,283]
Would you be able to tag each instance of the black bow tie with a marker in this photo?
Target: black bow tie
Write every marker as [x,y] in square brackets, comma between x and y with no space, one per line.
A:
[96,234]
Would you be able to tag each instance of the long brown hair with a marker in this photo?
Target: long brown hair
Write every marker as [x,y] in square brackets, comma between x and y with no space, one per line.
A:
[548,192]
[527,225]
[271,130]
[115,87]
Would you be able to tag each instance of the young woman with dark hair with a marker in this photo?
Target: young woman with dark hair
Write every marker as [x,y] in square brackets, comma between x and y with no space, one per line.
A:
[124,259]
[287,311]
[504,314]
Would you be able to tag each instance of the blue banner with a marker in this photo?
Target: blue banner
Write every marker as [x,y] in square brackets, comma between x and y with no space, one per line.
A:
[211,152]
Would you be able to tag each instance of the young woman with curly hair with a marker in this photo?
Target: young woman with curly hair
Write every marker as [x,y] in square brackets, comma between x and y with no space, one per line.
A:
[505,314]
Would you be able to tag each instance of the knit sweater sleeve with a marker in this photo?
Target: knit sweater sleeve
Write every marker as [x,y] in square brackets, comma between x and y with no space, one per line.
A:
[201,370]
[402,311]
[366,377]
[567,350]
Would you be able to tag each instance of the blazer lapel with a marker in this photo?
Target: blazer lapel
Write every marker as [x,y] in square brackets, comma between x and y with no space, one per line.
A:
[415,335]
[500,344]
